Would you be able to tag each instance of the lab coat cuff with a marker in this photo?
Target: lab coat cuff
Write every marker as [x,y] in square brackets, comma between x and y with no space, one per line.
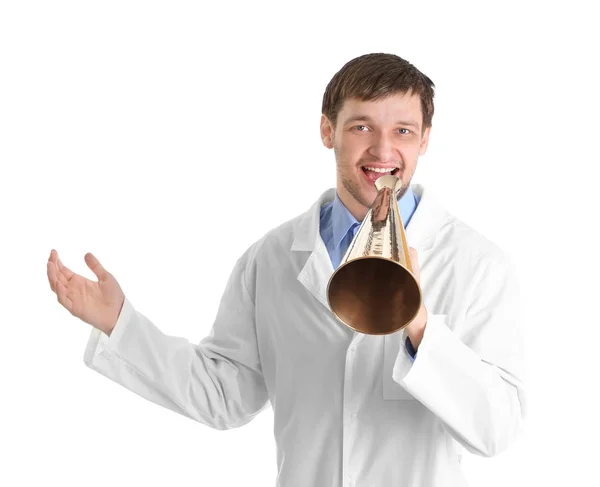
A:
[99,343]
[405,365]
[440,351]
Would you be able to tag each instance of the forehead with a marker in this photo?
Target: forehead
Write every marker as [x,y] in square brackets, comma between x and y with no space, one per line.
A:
[390,108]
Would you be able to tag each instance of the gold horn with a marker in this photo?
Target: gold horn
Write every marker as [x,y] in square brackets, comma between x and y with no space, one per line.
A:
[373,290]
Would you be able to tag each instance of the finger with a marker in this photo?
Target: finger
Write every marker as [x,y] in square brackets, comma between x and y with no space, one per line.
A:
[62,278]
[414,259]
[94,264]
[61,268]
[51,271]
[61,294]
[60,271]
[64,270]
[53,259]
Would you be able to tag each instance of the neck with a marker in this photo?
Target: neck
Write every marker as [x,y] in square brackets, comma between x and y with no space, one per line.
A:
[356,209]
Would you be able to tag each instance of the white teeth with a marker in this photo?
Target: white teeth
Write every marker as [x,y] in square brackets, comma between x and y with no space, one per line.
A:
[374,169]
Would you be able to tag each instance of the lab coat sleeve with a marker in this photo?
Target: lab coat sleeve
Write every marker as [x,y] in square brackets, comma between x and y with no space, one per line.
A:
[218,382]
[472,378]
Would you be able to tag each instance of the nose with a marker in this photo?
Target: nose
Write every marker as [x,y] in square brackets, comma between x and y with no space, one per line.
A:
[382,147]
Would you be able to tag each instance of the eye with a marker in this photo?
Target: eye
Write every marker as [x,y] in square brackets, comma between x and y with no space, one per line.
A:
[406,131]
[361,128]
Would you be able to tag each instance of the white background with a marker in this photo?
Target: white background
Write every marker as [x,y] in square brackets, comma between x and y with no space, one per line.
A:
[166,137]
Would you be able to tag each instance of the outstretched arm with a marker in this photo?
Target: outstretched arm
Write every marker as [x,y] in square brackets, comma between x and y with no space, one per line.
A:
[218,382]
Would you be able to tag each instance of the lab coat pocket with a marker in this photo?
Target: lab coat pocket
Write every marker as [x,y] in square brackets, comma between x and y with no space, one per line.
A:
[392,345]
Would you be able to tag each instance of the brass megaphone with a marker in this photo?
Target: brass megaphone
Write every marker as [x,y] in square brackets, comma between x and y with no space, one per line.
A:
[373,290]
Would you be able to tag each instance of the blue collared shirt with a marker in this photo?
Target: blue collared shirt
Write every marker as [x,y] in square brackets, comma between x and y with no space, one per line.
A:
[338,227]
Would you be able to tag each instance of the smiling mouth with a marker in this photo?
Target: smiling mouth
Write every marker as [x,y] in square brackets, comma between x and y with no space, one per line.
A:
[373,174]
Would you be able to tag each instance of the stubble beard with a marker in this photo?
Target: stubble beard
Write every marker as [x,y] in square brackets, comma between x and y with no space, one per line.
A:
[354,190]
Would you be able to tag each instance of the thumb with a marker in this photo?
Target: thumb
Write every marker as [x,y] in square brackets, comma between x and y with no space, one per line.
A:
[94,264]
[414,260]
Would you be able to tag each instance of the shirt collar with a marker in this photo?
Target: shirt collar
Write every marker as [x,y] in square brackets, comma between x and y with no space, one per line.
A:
[342,219]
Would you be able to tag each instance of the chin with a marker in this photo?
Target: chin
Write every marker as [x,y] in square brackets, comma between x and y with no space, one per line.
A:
[368,197]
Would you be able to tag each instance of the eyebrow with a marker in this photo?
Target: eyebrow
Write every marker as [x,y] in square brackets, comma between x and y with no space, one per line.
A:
[366,118]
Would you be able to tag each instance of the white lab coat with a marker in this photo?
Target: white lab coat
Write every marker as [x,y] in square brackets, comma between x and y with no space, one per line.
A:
[349,409]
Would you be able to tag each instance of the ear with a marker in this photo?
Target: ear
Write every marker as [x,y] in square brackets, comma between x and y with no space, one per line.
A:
[424,141]
[326,132]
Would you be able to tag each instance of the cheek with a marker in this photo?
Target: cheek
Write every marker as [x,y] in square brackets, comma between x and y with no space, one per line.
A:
[410,152]
[353,151]
[343,154]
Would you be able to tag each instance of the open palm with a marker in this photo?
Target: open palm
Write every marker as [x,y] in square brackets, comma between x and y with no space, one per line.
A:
[97,303]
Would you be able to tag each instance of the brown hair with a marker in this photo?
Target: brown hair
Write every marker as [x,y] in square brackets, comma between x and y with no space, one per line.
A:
[374,76]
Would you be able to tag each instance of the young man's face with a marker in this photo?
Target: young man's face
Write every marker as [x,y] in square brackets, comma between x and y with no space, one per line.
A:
[380,134]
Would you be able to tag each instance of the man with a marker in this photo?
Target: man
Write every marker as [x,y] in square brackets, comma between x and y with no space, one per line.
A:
[350,409]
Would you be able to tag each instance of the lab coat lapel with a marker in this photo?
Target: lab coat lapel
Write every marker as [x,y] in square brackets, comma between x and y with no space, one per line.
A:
[316,273]
[427,219]
[318,268]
